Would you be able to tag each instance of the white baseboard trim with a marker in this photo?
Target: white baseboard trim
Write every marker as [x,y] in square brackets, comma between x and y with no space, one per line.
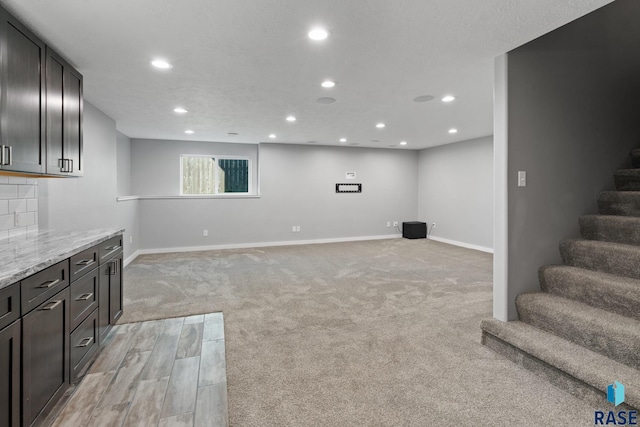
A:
[260,245]
[130,259]
[461,244]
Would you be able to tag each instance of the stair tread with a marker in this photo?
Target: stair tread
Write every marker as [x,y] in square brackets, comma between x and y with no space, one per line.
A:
[605,291]
[611,228]
[610,257]
[635,157]
[628,172]
[587,366]
[626,203]
[602,331]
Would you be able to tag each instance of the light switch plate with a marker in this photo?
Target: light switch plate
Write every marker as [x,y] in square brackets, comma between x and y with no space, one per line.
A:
[522,178]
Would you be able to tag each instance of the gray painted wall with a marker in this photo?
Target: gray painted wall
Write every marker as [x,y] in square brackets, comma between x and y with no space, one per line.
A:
[90,202]
[455,190]
[157,163]
[573,116]
[298,188]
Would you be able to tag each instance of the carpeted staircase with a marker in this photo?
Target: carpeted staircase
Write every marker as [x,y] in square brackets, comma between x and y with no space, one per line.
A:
[582,331]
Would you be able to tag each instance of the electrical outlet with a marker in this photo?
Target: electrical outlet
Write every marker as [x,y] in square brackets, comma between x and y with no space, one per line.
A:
[395,223]
[205,233]
[298,228]
[388,223]
[293,228]
[433,225]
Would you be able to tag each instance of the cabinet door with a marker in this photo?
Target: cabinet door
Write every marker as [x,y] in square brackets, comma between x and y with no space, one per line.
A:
[103,307]
[64,117]
[73,107]
[22,104]
[10,375]
[45,356]
[55,133]
[115,290]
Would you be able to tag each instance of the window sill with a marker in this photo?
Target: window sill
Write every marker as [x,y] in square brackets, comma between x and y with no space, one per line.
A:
[217,196]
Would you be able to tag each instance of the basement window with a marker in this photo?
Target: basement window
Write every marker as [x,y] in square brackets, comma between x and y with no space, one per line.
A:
[205,175]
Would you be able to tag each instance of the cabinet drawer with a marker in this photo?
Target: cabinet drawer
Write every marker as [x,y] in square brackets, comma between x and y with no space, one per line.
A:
[84,262]
[84,344]
[41,286]
[84,297]
[9,304]
[110,248]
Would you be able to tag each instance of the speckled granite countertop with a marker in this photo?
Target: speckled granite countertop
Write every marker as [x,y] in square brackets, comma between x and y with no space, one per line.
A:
[25,255]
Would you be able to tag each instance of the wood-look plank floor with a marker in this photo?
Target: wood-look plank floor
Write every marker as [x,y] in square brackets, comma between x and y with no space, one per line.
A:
[166,373]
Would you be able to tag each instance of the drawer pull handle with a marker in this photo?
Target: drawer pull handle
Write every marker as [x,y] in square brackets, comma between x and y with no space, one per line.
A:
[112,248]
[113,267]
[85,262]
[84,297]
[51,305]
[49,284]
[85,342]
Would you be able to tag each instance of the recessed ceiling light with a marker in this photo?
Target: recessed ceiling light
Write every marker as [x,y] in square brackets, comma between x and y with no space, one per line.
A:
[272,136]
[326,100]
[403,142]
[423,98]
[189,132]
[232,133]
[161,63]
[380,125]
[179,110]
[328,84]
[318,34]
[448,98]
[453,130]
[343,139]
[291,118]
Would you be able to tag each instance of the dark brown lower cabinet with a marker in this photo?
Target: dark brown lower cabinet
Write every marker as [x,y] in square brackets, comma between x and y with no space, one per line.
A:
[10,375]
[110,308]
[115,291]
[84,344]
[45,357]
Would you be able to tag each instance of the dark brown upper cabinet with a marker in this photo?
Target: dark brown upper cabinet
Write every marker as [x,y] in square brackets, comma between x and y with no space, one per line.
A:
[64,117]
[22,98]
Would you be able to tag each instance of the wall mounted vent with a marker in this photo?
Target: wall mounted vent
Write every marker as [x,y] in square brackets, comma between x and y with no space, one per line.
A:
[348,188]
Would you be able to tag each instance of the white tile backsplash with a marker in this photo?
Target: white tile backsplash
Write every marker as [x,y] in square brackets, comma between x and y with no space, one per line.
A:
[27,191]
[19,205]
[8,191]
[18,194]
[17,180]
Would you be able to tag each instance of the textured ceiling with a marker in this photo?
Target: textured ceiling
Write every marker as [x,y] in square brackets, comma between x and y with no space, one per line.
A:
[242,66]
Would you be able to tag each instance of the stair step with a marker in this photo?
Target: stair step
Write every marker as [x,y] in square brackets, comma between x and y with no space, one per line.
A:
[635,157]
[612,335]
[620,295]
[613,258]
[626,203]
[611,228]
[627,179]
[579,371]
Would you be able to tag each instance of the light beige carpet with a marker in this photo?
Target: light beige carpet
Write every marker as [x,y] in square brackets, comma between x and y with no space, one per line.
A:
[375,333]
